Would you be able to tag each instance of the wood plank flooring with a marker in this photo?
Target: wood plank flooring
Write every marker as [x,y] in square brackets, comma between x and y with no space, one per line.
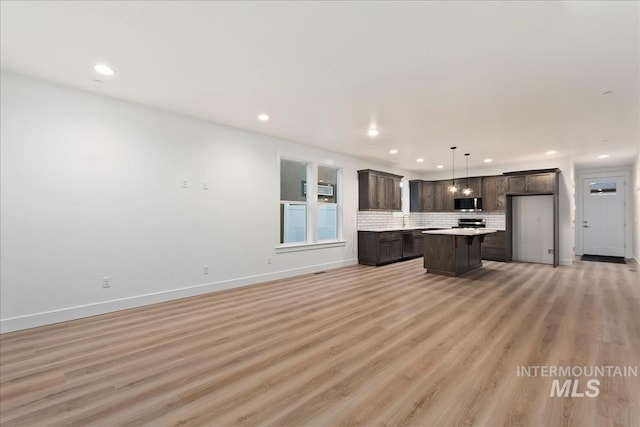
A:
[385,346]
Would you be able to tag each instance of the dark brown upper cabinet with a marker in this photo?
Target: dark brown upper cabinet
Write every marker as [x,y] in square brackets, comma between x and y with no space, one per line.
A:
[379,191]
[421,196]
[442,197]
[531,183]
[494,193]
[475,184]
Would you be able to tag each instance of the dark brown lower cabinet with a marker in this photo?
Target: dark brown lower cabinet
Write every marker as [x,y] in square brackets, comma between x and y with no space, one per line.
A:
[379,247]
[494,246]
[412,246]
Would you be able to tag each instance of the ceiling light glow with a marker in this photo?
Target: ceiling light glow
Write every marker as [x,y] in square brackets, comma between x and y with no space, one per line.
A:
[393,151]
[550,152]
[373,132]
[603,156]
[440,166]
[488,160]
[263,117]
[104,69]
[420,160]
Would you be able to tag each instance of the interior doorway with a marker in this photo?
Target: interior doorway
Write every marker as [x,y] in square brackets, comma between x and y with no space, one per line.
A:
[532,229]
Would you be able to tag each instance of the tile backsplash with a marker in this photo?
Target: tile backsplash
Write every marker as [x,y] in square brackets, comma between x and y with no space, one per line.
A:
[371,220]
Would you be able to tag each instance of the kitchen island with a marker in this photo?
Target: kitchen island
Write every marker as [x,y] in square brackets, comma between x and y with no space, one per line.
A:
[453,251]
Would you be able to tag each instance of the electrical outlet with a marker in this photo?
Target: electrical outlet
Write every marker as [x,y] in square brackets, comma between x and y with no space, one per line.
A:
[205,269]
[550,251]
[269,260]
[185,184]
[205,185]
[106,282]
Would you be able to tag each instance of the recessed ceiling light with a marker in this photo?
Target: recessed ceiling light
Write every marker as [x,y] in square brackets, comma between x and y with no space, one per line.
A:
[603,156]
[393,151]
[488,160]
[373,132]
[440,166]
[104,69]
[420,160]
[550,152]
[263,117]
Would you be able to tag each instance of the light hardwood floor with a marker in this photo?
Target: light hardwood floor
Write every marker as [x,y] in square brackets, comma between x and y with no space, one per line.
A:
[386,346]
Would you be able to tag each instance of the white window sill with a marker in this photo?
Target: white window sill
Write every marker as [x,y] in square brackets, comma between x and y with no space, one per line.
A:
[295,247]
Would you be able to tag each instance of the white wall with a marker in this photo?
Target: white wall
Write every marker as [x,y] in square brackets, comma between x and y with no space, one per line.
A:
[92,187]
[636,209]
[567,208]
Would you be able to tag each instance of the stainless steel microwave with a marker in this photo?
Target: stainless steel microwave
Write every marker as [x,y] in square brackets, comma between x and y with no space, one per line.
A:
[470,204]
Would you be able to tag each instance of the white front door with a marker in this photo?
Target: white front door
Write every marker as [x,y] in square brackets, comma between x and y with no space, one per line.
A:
[603,228]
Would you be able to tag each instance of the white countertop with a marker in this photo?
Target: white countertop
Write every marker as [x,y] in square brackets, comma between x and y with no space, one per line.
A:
[462,231]
[380,230]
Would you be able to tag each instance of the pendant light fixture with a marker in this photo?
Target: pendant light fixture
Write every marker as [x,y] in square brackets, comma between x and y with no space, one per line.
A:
[453,187]
[467,191]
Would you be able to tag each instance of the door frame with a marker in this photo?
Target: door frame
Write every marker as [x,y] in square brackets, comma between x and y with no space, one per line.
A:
[628,215]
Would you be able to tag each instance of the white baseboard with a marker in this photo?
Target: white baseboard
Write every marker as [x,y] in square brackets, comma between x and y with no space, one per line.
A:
[71,313]
[566,262]
[535,260]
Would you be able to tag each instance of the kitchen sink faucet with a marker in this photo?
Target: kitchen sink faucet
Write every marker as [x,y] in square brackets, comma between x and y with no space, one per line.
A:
[403,218]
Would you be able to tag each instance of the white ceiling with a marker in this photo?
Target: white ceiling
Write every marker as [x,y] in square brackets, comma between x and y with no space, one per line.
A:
[506,80]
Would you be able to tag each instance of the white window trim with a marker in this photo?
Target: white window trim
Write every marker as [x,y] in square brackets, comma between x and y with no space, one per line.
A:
[295,247]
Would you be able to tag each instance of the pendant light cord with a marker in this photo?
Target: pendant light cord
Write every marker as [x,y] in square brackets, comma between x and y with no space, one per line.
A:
[453,169]
[467,191]
[467,156]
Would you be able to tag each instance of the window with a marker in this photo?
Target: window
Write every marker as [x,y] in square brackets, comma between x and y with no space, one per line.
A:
[327,203]
[600,188]
[309,214]
[293,202]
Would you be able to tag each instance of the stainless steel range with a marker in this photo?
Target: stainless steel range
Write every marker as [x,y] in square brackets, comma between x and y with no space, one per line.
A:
[471,223]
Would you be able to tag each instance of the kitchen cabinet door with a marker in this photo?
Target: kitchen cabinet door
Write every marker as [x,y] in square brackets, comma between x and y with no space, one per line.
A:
[421,196]
[382,196]
[415,196]
[532,183]
[427,202]
[390,251]
[375,247]
[443,198]
[475,184]
[494,246]
[379,191]
[517,184]
[395,195]
[494,193]
[541,183]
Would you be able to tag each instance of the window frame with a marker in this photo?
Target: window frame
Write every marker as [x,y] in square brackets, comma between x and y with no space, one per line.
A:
[311,203]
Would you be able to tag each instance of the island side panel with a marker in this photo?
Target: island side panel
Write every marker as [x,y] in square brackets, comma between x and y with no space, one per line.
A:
[440,254]
[462,254]
[474,253]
